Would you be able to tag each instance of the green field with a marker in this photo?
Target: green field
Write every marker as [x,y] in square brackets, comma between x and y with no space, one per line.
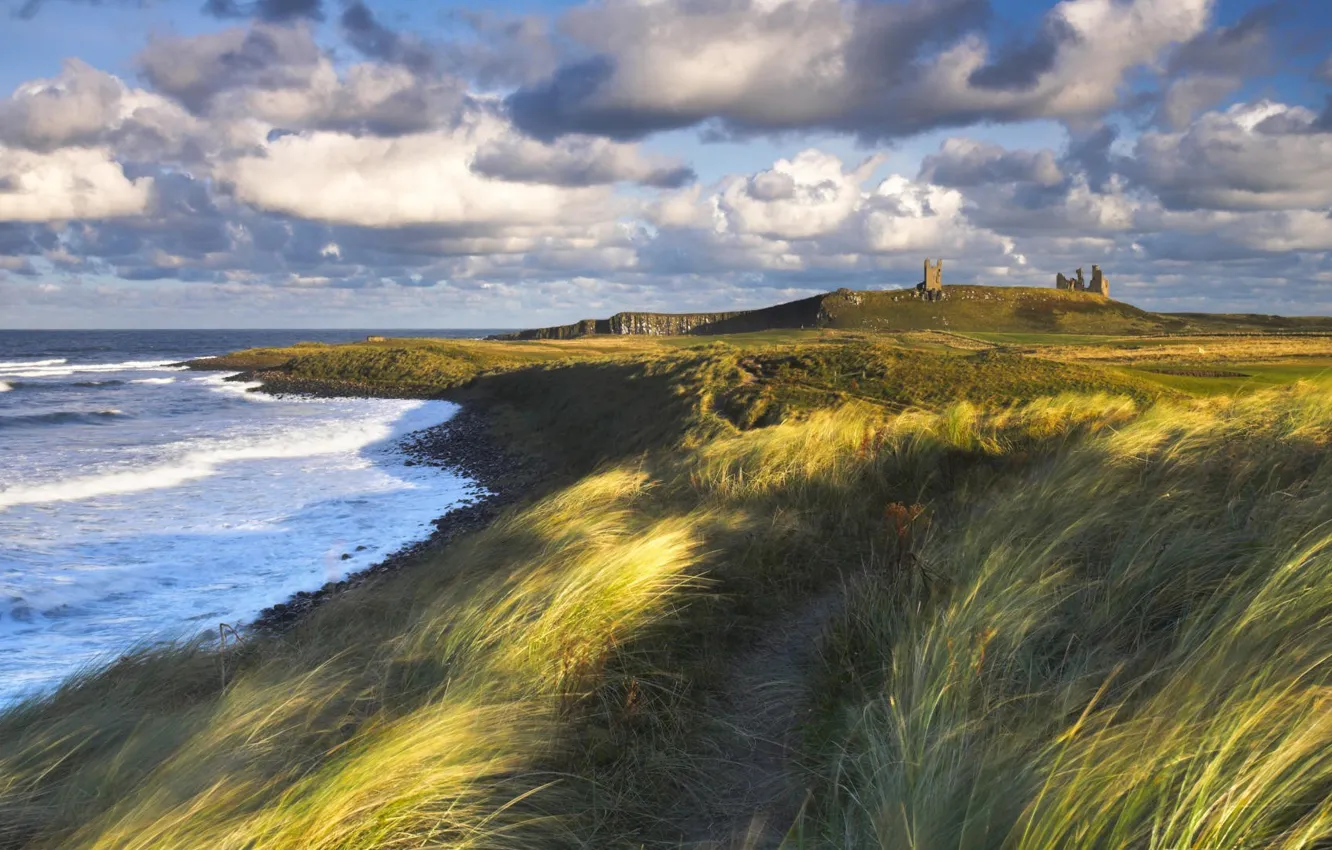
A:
[841,588]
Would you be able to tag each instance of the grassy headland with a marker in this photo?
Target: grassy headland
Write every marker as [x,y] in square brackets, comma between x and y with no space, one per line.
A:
[857,591]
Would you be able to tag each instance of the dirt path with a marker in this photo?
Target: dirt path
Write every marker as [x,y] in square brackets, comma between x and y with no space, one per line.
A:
[754,789]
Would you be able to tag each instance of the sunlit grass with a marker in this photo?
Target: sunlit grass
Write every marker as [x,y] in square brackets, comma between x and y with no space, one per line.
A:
[1075,617]
[1124,648]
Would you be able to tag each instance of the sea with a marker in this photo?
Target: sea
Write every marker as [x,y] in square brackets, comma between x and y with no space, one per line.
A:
[141,501]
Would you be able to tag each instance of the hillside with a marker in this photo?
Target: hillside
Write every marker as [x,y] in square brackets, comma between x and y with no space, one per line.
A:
[812,589]
[966,308]
[984,309]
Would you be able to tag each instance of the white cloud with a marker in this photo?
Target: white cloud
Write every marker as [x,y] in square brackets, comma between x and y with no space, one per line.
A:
[813,212]
[421,179]
[1252,156]
[576,161]
[842,64]
[807,196]
[71,183]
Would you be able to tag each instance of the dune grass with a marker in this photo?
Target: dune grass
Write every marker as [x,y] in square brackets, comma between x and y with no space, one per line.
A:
[1125,647]
[1104,625]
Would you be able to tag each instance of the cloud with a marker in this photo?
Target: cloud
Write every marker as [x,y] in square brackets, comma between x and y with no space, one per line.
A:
[808,196]
[30,8]
[85,107]
[257,159]
[1238,49]
[874,70]
[265,10]
[962,162]
[1324,69]
[576,161]
[418,179]
[195,70]
[279,75]
[75,107]
[1260,156]
[72,183]
[371,38]
[810,219]
[1021,66]
[1186,96]
[1268,233]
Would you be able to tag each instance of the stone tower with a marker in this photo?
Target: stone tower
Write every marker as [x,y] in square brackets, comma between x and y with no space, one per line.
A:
[1099,284]
[931,288]
[933,275]
[1062,282]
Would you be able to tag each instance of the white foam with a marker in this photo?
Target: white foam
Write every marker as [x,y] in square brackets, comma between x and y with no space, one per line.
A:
[153,381]
[200,462]
[60,369]
[195,510]
[4,388]
[23,364]
[239,389]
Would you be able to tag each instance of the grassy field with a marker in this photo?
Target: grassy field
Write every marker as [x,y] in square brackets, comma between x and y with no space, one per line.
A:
[1002,600]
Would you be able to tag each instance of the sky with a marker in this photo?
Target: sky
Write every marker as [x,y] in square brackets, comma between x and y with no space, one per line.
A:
[392,164]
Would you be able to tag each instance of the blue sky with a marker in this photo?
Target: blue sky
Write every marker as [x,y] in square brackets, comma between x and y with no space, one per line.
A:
[354,163]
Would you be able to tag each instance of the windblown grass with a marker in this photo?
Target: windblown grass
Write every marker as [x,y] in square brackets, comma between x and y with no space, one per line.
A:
[1105,625]
[1125,647]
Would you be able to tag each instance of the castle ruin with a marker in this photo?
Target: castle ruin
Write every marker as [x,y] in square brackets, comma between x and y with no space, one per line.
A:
[931,288]
[1098,285]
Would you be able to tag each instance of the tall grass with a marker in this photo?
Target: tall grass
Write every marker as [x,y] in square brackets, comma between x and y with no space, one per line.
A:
[1128,648]
[1104,625]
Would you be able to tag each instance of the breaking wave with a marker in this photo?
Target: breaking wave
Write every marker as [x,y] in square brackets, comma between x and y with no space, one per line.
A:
[61,368]
[195,461]
[60,417]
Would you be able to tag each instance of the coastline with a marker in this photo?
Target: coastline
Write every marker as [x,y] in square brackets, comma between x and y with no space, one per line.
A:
[463,444]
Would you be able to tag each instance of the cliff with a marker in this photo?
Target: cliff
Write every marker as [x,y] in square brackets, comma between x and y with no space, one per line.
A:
[793,314]
[641,324]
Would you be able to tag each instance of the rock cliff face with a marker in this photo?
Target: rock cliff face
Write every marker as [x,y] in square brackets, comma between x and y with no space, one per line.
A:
[803,313]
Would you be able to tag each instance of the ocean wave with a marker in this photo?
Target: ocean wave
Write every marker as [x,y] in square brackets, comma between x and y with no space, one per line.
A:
[60,369]
[57,385]
[153,381]
[202,462]
[4,388]
[60,417]
[239,389]
[24,364]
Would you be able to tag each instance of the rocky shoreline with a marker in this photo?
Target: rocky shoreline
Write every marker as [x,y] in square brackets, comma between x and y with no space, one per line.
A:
[463,444]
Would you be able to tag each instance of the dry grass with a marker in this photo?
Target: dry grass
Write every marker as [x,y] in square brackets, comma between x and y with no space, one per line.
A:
[1126,647]
[1194,349]
[1076,620]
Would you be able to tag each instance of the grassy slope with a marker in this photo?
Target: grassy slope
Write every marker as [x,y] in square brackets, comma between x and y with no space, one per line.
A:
[1254,322]
[1013,311]
[1138,620]
[996,309]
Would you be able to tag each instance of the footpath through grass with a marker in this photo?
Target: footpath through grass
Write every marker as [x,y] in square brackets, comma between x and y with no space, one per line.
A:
[1078,613]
